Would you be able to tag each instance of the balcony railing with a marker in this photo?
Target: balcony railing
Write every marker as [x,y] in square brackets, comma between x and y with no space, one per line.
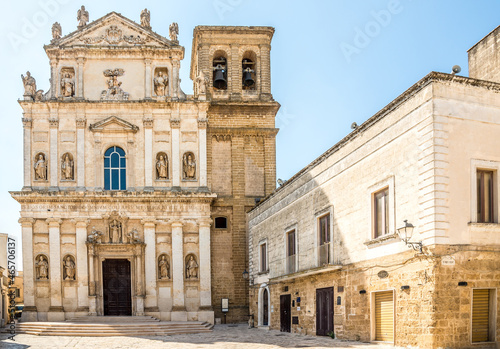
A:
[291,264]
[324,255]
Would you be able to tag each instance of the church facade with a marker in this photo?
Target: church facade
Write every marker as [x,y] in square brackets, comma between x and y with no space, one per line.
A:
[135,194]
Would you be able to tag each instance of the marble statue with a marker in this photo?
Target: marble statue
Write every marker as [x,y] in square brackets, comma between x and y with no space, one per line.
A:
[189,166]
[40,168]
[173,31]
[114,91]
[146,19]
[191,268]
[29,85]
[201,83]
[164,268]
[42,268]
[161,83]
[67,168]
[115,231]
[162,168]
[69,269]
[68,85]
[82,17]
[56,31]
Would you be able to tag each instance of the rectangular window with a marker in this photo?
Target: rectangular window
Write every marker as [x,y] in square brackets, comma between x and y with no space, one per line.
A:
[324,240]
[18,293]
[381,213]
[483,308]
[485,203]
[263,257]
[290,252]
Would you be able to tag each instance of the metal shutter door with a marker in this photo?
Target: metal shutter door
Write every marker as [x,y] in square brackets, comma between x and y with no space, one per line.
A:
[384,316]
[480,315]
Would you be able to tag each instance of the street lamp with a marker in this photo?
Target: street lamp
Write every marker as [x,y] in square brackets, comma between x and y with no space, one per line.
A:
[245,274]
[405,233]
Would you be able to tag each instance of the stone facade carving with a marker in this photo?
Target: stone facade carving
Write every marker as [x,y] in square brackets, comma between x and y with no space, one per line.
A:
[29,83]
[189,166]
[40,167]
[68,84]
[163,268]
[115,232]
[56,32]
[146,19]
[201,83]
[69,268]
[133,237]
[161,166]
[161,84]
[95,236]
[114,36]
[114,91]
[82,17]
[67,167]
[191,267]
[42,268]
[174,32]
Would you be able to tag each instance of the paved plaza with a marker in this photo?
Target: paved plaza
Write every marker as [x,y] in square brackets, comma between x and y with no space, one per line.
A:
[223,336]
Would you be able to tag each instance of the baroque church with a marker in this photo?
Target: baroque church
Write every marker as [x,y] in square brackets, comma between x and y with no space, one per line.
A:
[135,194]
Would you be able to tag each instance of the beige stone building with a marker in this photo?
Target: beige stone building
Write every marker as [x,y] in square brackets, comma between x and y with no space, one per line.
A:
[326,254]
[135,194]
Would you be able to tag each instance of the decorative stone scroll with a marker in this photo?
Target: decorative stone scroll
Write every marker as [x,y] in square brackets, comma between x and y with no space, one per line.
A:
[67,167]
[133,237]
[114,36]
[40,167]
[191,267]
[42,267]
[114,91]
[163,267]
[95,236]
[189,166]
[69,271]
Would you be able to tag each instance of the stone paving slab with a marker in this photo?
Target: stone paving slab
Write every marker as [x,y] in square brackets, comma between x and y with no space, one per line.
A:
[222,337]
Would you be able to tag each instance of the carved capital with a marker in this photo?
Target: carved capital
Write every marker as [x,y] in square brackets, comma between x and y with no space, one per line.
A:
[147,61]
[80,60]
[54,222]
[205,223]
[148,123]
[27,122]
[53,123]
[81,222]
[175,123]
[202,123]
[149,222]
[26,222]
[81,123]
[177,224]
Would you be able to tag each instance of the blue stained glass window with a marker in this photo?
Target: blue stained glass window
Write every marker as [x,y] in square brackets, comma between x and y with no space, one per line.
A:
[115,173]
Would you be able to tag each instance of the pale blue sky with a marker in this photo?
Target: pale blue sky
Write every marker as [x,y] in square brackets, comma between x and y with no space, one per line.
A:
[333,62]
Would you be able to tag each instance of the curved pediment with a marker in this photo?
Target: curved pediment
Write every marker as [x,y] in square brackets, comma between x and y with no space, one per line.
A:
[113,124]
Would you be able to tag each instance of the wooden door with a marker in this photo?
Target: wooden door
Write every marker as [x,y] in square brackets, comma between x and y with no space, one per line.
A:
[324,311]
[117,291]
[285,313]
[265,308]
[480,315]
[384,316]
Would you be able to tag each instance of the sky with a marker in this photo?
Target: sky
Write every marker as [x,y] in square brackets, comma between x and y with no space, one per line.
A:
[333,62]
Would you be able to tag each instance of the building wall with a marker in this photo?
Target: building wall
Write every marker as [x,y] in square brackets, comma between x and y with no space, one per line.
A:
[484,58]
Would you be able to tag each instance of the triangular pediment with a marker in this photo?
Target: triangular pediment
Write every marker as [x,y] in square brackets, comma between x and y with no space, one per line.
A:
[113,30]
[113,124]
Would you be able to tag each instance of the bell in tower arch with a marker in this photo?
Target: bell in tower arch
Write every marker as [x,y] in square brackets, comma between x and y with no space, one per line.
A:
[220,74]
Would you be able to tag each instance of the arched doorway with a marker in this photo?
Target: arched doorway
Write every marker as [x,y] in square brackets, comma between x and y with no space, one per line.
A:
[265,306]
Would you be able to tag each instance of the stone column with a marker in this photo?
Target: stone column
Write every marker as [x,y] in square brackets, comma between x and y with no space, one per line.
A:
[80,153]
[92,285]
[140,280]
[175,125]
[56,312]
[150,265]
[234,82]
[205,278]
[202,143]
[54,155]
[80,61]
[81,265]
[175,78]
[148,152]
[53,80]
[28,167]
[29,311]
[179,309]
[265,71]
[149,80]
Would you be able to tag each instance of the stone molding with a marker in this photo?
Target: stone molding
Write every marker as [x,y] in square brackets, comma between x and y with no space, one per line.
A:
[148,123]
[175,123]
[81,123]
[27,122]
[53,123]
[202,123]
[54,222]
[26,222]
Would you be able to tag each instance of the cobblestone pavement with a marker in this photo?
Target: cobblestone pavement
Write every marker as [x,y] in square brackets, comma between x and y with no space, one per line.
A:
[223,336]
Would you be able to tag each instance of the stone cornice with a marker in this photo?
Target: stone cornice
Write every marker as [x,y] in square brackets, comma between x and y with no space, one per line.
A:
[26,222]
[242,131]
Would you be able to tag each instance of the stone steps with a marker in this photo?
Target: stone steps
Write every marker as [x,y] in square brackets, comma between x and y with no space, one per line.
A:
[116,326]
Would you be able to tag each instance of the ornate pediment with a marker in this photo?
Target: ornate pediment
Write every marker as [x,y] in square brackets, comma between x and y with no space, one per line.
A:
[113,30]
[113,124]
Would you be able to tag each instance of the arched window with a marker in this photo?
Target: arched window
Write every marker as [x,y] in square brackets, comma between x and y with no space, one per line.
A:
[115,173]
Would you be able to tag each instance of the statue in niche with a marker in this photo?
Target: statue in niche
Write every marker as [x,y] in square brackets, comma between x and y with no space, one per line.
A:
[67,168]
[115,231]
[189,166]
[164,268]
[56,31]
[146,19]
[191,268]
[201,84]
[82,17]
[68,85]
[162,167]
[114,91]
[69,269]
[42,268]
[40,168]
[173,31]
[95,236]
[133,236]
[29,83]
[161,83]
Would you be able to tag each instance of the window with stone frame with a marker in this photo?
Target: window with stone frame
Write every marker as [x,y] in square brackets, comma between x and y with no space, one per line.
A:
[324,239]
[291,252]
[381,213]
[263,265]
[485,196]
[115,173]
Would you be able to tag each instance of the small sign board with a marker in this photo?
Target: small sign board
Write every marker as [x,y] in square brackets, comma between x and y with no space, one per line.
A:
[448,260]
[225,305]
